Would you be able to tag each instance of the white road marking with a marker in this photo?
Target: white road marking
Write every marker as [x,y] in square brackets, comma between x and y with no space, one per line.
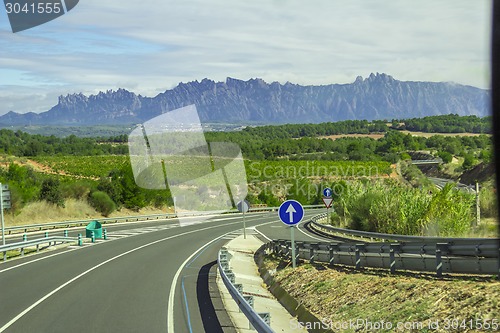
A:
[73,248]
[31,307]
[171,296]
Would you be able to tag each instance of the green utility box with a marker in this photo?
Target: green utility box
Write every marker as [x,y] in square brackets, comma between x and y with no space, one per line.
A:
[94,226]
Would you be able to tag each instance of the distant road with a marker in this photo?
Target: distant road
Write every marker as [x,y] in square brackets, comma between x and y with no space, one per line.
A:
[149,277]
[441,182]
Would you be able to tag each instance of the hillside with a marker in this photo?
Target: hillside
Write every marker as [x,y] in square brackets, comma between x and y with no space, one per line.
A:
[379,96]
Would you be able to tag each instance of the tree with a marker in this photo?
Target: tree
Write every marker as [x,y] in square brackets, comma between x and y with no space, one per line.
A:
[51,192]
[469,161]
[445,156]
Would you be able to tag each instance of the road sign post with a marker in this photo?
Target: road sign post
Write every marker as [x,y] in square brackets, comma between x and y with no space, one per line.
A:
[327,200]
[243,206]
[291,213]
[4,195]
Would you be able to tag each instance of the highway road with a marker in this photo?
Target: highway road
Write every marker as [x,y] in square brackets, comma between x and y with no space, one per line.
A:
[148,277]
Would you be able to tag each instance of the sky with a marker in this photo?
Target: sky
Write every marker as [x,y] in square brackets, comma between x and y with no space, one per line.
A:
[150,46]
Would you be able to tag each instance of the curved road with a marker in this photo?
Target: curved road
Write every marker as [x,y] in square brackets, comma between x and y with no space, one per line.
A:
[148,277]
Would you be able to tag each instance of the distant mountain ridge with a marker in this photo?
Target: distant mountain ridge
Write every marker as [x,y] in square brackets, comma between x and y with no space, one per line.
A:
[379,96]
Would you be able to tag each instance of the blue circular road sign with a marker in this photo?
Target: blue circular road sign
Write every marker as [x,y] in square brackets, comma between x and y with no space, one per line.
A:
[243,206]
[327,192]
[291,212]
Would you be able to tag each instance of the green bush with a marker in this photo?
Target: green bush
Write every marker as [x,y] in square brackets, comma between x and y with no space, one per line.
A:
[76,190]
[488,201]
[450,212]
[389,208]
[469,161]
[102,203]
[405,156]
[445,156]
[51,192]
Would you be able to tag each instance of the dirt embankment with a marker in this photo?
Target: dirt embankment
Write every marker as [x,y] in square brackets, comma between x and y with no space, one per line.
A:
[376,301]
[42,168]
[480,173]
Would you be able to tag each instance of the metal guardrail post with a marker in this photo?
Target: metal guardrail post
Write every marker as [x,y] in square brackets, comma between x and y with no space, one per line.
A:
[25,238]
[65,233]
[439,263]
[440,248]
[250,301]
[266,316]
[393,248]
[230,275]
[283,248]
[4,255]
[423,252]
[359,248]
[239,287]
[331,258]
[313,247]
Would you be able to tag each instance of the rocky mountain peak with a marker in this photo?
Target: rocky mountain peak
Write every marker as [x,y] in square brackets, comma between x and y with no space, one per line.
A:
[379,96]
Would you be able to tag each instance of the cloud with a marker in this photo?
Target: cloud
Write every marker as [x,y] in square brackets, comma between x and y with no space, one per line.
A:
[149,46]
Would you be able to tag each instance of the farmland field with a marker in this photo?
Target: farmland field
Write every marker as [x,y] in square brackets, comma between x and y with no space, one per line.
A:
[83,166]
[100,166]
[378,136]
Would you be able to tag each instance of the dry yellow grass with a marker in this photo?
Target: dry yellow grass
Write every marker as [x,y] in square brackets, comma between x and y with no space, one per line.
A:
[377,136]
[41,212]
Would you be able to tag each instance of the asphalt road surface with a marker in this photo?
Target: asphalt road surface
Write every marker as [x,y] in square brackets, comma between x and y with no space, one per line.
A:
[148,277]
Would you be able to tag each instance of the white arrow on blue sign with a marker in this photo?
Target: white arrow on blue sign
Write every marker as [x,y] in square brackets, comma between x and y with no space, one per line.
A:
[327,192]
[291,212]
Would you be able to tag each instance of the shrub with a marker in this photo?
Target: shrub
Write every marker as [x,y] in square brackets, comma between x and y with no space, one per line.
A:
[445,156]
[51,192]
[102,203]
[469,161]
[488,201]
[77,190]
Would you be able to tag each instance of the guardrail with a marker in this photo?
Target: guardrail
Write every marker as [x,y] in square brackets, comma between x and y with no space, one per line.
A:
[328,230]
[35,242]
[78,223]
[434,161]
[397,252]
[255,319]
[81,223]
[440,257]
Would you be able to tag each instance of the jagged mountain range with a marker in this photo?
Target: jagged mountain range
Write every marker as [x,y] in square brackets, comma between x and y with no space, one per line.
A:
[379,96]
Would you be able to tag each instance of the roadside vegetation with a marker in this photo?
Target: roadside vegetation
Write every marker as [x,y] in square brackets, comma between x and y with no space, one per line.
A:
[394,209]
[376,188]
[405,302]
